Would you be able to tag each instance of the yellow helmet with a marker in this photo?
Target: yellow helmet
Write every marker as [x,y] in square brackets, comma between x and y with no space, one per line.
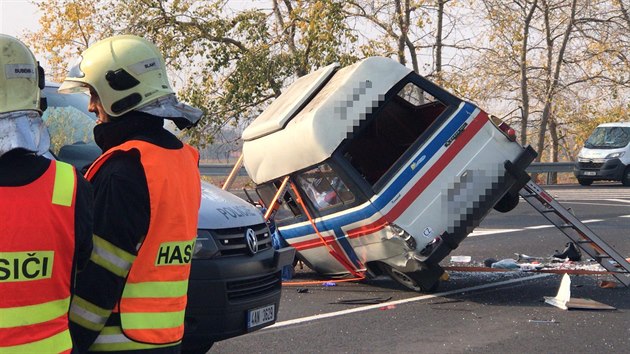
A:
[21,78]
[125,71]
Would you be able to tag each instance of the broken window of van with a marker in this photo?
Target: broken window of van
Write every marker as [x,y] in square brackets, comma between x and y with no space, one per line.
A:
[324,188]
[392,129]
[67,126]
[608,137]
[288,207]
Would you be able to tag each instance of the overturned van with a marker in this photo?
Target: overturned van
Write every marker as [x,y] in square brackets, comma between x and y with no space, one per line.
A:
[377,170]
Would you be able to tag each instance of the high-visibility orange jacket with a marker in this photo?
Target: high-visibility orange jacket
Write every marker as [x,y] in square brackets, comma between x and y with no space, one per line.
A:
[36,257]
[154,296]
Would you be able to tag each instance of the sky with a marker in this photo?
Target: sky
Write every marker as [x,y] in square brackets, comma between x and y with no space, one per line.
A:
[16,16]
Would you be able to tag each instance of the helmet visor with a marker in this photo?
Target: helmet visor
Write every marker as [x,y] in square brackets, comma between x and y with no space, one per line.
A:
[69,86]
[73,82]
[74,71]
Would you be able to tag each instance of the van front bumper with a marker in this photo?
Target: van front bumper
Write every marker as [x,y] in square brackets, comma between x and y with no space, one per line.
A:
[222,291]
[610,170]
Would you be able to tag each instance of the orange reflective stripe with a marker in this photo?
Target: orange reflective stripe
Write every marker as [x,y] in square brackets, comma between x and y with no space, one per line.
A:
[154,304]
[167,335]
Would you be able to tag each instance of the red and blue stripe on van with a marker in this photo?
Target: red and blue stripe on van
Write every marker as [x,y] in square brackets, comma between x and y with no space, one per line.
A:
[335,223]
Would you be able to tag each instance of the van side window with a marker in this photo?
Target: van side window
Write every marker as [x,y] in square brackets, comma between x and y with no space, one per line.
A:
[324,188]
[396,126]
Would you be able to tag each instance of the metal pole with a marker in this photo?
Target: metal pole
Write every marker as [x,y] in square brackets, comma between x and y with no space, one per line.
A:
[275,200]
[233,174]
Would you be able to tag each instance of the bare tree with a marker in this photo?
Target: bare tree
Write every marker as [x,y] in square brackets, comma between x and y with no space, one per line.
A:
[553,70]
[529,9]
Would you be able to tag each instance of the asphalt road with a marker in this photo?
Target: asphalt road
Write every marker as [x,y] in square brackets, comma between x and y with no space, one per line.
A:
[473,312]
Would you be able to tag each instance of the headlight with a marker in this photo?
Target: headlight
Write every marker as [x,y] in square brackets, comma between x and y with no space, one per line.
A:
[615,155]
[398,231]
[205,247]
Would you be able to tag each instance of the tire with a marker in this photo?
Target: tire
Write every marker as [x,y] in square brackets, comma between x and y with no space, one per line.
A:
[625,180]
[507,203]
[587,182]
[408,280]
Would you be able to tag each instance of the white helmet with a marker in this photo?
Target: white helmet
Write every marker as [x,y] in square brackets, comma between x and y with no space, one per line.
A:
[125,71]
[21,77]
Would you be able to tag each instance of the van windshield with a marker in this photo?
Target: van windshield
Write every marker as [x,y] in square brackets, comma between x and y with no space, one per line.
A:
[608,138]
[324,187]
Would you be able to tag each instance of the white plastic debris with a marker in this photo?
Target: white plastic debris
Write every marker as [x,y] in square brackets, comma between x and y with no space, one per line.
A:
[461,259]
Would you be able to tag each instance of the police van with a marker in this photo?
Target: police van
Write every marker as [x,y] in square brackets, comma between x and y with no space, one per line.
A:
[375,169]
[235,277]
[605,155]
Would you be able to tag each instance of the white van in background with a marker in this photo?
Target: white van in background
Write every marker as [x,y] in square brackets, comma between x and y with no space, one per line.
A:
[605,155]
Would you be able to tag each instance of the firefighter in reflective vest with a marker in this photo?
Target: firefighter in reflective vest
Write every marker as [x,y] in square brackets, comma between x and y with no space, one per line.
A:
[46,215]
[147,191]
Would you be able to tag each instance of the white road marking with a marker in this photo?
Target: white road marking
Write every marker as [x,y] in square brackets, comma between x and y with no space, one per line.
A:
[538,227]
[403,301]
[606,193]
[588,203]
[483,232]
[619,200]
[591,220]
[624,216]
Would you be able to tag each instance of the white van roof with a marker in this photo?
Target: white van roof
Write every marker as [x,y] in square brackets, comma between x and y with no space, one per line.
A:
[615,124]
[280,141]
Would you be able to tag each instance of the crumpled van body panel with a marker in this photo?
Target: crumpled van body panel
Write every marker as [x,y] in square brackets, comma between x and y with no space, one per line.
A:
[411,179]
[438,190]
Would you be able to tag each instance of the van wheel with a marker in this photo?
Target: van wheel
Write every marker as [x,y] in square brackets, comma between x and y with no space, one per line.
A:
[625,179]
[407,279]
[588,182]
[507,203]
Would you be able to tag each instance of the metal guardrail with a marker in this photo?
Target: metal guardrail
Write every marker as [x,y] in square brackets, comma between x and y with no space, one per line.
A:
[535,167]
[551,169]
[547,167]
[219,170]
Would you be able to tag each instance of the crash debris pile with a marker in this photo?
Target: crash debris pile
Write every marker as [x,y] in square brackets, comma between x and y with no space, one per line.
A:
[571,262]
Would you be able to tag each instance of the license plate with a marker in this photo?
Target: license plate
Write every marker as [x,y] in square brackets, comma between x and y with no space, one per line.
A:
[590,173]
[260,316]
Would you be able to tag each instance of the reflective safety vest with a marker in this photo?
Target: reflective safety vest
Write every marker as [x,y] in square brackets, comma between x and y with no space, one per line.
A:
[154,296]
[36,254]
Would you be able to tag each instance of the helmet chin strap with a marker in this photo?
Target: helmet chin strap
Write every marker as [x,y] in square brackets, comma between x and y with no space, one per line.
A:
[23,129]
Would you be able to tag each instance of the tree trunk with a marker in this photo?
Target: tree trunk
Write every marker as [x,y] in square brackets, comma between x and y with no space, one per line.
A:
[400,18]
[524,82]
[553,133]
[552,73]
[438,42]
